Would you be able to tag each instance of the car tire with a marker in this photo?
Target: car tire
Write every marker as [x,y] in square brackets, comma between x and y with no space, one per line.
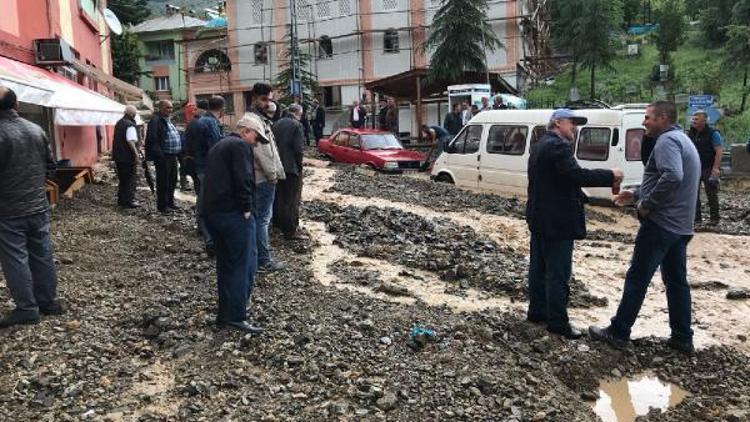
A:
[444,178]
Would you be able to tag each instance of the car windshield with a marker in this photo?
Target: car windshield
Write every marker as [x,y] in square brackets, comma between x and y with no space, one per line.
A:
[381,141]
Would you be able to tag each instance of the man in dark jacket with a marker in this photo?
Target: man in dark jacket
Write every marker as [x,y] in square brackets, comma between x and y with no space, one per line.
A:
[227,205]
[126,157]
[318,120]
[555,215]
[188,147]
[289,137]
[163,146]
[647,147]
[25,245]
[710,148]
[452,122]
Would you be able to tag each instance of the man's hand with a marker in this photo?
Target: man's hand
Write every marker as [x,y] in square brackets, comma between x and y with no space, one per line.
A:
[624,198]
[247,215]
[643,211]
[619,176]
[715,172]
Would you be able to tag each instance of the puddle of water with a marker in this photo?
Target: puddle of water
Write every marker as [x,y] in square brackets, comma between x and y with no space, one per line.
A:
[627,398]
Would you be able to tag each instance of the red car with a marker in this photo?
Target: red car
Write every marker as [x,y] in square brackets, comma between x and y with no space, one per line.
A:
[377,149]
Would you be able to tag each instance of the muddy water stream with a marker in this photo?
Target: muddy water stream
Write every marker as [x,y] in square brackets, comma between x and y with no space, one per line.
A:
[600,265]
[624,399]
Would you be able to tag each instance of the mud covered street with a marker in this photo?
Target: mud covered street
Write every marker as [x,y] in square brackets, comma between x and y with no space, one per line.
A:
[386,253]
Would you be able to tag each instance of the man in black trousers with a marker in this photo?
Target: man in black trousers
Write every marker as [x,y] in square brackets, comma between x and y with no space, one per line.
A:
[555,215]
[289,135]
[126,157]
[163,146]
[318,120]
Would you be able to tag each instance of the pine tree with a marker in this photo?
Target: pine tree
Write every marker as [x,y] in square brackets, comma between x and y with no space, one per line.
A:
[737,48]
[458,38]
[598,23]
[126,57]
[130,12]
[670,15]
[283,80]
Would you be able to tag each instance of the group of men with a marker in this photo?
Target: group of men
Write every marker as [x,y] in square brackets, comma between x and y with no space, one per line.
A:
[666,206]
[244,181]
[462,112]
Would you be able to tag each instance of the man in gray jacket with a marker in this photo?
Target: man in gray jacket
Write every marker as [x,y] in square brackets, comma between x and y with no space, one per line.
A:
[268,172]
[290,138]
[666,204]
[25,245]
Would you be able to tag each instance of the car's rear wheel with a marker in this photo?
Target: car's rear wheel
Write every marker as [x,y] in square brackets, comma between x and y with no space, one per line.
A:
[444,178]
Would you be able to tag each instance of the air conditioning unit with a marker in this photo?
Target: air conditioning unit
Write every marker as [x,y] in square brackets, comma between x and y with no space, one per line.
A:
[52,51]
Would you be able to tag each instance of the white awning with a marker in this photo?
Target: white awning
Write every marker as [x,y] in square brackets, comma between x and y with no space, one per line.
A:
[74,104]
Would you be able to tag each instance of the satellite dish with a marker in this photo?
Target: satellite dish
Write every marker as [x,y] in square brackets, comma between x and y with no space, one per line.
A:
[112,22]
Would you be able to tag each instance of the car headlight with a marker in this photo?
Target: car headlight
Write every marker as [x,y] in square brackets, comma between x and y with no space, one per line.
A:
[390,165]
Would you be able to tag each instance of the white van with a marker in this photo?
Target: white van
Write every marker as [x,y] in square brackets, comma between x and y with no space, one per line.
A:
[491,152]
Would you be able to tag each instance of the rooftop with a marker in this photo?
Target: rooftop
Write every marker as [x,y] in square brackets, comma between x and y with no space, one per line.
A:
[168,23]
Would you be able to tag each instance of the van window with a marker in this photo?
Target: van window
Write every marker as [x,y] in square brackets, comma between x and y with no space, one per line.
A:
[593,144]
[509,140]
[633,139]
[466,142]
[536,135]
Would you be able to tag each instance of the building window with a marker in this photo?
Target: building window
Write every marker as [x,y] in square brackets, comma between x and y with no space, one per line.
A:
[89,8]
[324,8]
[228,100]
[212,61]
[160,50]
[257,6]
[332,96]
[325,47]
[390,4]
[261,53]
[161,83]
[303,10]
[390,41]
[345,7]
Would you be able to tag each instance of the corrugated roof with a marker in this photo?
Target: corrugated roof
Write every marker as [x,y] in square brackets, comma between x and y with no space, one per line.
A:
[168,23]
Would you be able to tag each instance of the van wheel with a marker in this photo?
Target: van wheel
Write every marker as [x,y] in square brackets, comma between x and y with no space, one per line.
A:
[444,178]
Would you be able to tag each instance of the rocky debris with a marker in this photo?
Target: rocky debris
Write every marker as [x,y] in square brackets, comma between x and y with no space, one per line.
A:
[736,293]
[392,289]
[734,209]
[322,355]
[457,254]
[708,285]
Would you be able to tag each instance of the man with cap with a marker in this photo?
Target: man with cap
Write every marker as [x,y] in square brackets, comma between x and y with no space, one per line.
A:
[25,244]
[126,156]
[227,205]
[555,216]
[666,203]
[710,148]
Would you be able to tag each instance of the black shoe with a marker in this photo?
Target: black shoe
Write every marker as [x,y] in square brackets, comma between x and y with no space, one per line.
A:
[54,308]
[685,347]
[211,251]
[606,336]
[131,206]
[568,332]
[271,266]
[165,211]
[242,326]
[174,207]
[18,317]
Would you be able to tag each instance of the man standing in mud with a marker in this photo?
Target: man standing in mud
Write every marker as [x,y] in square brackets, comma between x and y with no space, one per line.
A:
[555,215]
[288,133]
[708,142]
[227,206]
[25,245]
[666,204]
[163,145]
[126,156]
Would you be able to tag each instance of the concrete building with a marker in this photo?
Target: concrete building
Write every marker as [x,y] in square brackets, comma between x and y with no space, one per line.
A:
[353,42]
[56,54]
[161,41]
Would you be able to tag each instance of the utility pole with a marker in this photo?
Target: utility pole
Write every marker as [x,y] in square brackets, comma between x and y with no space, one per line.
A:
[293,44]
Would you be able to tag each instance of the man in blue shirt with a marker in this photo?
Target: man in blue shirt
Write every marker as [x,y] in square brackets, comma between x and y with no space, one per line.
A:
[708,142]
[666,207]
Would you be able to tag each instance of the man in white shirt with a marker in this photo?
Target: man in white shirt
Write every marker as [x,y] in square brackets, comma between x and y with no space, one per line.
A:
[466,114]
[126,157]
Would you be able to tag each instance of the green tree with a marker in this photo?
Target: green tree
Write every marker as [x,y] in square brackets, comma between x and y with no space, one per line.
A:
[565,30]
[459,37]
[130,12]
[738,44]
[597,26]
[670,15]
[714,19]
[630,11]
[126,57]
[283,80]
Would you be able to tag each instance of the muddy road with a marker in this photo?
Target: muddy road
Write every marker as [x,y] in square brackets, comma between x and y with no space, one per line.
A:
[138,342]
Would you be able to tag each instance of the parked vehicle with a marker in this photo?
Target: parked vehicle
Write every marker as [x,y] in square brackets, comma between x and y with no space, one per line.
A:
[492,151]
[377,149]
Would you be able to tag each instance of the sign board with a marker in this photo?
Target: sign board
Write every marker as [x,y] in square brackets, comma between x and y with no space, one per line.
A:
[705,103]
[698,101]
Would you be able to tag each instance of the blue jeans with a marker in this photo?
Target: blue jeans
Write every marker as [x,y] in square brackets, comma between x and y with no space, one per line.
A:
[549,272]
[656,247]
[235,263]
[26,258]
[205,234]
[264,194]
